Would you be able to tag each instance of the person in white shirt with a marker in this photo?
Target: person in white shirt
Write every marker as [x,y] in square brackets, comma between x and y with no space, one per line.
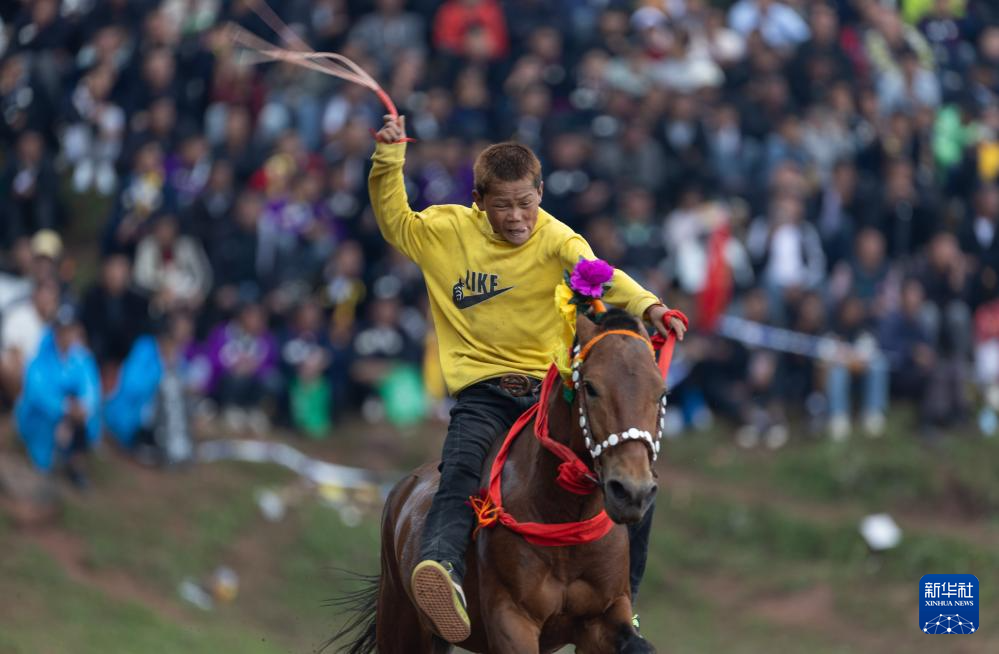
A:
[21,330]
[779,25]
[172,268]
[788,250]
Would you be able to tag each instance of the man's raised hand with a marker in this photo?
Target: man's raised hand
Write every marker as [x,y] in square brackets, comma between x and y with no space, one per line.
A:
[393,131]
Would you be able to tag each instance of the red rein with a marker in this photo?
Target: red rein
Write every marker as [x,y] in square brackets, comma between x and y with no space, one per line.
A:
[574,475]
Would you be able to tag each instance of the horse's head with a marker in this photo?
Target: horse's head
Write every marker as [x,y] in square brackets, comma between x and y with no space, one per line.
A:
[620,396]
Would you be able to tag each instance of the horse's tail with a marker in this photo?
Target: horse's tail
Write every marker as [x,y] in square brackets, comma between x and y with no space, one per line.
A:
[357,634]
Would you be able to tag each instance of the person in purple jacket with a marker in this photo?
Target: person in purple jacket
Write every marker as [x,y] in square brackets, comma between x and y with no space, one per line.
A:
[243,355]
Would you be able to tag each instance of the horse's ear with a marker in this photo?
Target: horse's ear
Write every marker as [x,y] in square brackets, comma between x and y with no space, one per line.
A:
[586,329]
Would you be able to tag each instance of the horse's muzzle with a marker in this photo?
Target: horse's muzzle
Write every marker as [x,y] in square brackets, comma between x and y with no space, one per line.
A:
[627,501]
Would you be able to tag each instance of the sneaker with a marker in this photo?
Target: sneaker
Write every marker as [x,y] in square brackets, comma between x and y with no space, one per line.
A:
[839,428]
[874,424]
[77,477]
[258,422]
[234,419]
[776,437]
[438,594]
[747,437]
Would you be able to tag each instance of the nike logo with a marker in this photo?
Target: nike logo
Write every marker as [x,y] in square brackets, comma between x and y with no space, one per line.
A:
[472,300]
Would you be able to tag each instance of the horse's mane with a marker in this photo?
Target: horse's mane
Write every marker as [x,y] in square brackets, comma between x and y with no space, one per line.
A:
[617,319]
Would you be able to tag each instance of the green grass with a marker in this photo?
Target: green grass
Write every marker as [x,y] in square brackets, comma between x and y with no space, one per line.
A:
[754,530]
[181,532]
[899,469]
[48,612]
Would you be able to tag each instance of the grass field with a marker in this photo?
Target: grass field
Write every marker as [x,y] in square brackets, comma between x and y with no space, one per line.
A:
[754,552]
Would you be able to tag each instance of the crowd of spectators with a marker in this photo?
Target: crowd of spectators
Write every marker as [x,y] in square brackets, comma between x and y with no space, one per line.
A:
[834,161]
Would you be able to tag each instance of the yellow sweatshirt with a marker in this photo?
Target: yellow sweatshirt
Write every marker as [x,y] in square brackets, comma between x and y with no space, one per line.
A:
[492,301]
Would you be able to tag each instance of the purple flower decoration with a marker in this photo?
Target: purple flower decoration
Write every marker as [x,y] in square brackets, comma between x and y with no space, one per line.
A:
[589,276]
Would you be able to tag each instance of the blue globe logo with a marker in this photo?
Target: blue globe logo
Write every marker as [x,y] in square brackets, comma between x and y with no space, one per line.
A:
[949,624]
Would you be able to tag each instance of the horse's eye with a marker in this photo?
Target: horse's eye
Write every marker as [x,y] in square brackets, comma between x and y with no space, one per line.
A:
[590,391]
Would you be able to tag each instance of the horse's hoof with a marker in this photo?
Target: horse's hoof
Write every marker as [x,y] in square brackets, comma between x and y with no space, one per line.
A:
[630,642]
[439,599]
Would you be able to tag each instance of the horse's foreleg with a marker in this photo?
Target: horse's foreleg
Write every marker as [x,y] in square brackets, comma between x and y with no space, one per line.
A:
[613,632]
[509,630]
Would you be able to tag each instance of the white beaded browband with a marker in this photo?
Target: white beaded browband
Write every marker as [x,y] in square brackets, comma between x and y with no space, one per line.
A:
[613,440]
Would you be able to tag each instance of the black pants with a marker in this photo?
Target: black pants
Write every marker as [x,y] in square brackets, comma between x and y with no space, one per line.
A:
[483,413]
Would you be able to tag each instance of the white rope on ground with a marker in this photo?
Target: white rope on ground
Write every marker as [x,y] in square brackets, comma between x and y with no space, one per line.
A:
[318,472]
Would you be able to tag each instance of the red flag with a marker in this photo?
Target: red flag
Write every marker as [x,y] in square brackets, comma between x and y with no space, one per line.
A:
[717,291]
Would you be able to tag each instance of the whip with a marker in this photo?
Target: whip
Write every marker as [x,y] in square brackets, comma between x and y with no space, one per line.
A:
[299,53]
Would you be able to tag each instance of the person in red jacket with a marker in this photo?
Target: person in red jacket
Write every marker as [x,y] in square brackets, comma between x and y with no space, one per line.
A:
[471,28]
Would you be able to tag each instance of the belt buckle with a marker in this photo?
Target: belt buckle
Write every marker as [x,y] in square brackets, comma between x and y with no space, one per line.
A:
[516,385]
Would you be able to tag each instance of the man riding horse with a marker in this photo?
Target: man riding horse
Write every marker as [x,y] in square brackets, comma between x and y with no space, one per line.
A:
[497,332]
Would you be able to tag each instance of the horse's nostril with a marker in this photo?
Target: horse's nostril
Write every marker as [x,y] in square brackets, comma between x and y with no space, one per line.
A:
[618,491]
[653,490]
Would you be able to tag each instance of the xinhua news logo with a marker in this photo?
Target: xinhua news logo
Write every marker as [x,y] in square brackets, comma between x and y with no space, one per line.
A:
[948,604]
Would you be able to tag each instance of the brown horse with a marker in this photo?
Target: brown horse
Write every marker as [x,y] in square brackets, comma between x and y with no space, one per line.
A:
[525,599]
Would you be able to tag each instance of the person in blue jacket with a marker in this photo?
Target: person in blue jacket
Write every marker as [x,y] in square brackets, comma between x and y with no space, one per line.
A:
[141,405]
[58,413]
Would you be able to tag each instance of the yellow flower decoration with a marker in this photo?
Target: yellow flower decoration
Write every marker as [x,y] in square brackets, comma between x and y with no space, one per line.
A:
[563,298]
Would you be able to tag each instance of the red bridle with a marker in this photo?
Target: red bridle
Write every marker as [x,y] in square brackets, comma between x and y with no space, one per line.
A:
[574,475]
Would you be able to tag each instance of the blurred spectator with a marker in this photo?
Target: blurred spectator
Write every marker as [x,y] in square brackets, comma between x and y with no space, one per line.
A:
[142,196]
[58,414]
[887,36]
[841,208]
[980,241]
[821,60]
[295,237]
[906,215]
[344,289]
[866,275]
[731,155]
[799,377]
[93,139]
[862,135]
[917,371]
[389,33]
[946,29]
[636,158]
[172,268]
[208,218]
[236,144]
[687,234]
[636,219]
[860,359]
[243,356]
[757,401]
[29,190]
[382,351]
[31,261]
[305,358]
[473,29]
[234,257]
[24,102]
[113,313]
[780,26]
[787,250]
[149,411]
[23,328]
[946,281]
[188,170]
[16,277]
[908,87]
